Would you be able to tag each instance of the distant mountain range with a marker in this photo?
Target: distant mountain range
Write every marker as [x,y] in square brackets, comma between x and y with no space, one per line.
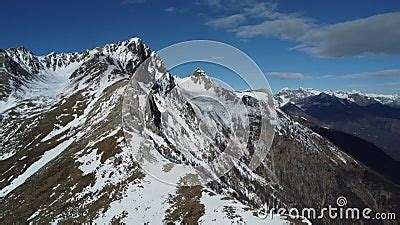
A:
[374,118]
[65,159]
[285,95]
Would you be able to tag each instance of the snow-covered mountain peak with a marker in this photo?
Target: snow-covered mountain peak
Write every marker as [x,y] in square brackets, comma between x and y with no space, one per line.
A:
[290,95]
[298,92]
[29,76]
[199,72]
[25,58]
[121,52]
[199,82]
[21,50]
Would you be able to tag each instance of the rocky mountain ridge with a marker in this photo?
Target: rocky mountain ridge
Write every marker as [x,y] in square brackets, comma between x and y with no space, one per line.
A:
[68,159]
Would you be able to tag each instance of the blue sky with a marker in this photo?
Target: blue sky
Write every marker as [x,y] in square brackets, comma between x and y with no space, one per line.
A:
[321,44]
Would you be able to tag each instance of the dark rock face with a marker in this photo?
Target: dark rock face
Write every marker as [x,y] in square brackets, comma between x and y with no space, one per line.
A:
[255,119]
[155,115]
[165,84]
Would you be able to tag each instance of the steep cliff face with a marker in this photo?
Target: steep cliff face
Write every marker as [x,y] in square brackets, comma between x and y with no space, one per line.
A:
[72,127]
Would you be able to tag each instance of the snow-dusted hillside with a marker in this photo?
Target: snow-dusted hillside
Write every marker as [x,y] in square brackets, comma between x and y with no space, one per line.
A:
[66,155]
[62,133]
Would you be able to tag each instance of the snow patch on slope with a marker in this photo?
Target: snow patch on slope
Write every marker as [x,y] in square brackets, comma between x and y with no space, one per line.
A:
[36,166]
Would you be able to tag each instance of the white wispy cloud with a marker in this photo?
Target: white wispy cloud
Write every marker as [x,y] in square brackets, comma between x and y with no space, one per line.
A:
[361,75]
[212,3]
[378,74]
[263,10]
[288,75]
[288,28]
[378,34]
[373,35]
[227,22]
[170,9]
[392,84]
[175,10]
